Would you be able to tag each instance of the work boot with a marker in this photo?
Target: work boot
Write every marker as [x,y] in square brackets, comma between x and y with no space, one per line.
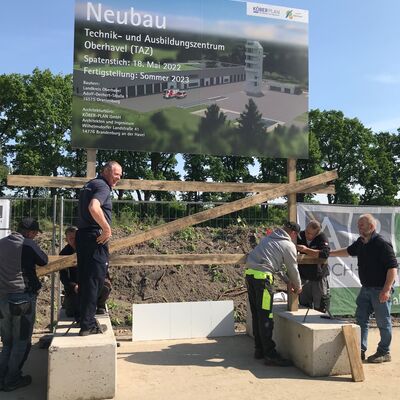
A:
[258,354]
[21,382]
[379,357]
[276,360]
[94,330]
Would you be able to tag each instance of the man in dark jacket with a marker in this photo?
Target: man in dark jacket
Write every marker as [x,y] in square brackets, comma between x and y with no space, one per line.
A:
[314,277]
[19,286]
[377,269]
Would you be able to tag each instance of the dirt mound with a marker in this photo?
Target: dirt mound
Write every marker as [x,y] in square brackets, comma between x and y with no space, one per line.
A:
[155,284]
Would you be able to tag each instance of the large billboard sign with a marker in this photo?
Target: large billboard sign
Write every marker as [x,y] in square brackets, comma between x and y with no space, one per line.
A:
[217,77]
[339,223]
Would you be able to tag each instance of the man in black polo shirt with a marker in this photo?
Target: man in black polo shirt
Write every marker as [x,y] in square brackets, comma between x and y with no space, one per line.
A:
[94,231]
[314,277]
[377,269]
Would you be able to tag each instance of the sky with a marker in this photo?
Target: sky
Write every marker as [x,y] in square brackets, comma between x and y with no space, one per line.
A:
[354,57]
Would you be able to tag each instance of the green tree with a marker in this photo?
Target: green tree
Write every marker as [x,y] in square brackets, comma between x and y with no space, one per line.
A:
[309,167]
[197,168]
[36,115]
[344,145]
[232,169]
[380,173]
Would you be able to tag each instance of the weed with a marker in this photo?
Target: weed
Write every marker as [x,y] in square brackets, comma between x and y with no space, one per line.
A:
[112,305]
[128,319]
[216,274]
[115,321]
[191,247]
[155,243]
[189,234]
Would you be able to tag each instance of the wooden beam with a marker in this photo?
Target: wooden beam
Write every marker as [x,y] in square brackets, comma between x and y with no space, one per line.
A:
[353,351]
[293,298]
[202,216]
[137,260]
[220,211]
[91,163]
[156,185]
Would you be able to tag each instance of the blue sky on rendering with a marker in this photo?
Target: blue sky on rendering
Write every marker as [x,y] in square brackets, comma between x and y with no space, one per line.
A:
[354,56]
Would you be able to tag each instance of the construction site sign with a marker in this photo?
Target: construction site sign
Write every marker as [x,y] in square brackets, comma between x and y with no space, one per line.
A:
[202,77]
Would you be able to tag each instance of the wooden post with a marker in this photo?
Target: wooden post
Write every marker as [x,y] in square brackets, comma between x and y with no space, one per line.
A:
[91,163]
[291,173]
[293,298]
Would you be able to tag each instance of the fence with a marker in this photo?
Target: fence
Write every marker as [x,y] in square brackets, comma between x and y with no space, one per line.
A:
[55,213]
[62,212]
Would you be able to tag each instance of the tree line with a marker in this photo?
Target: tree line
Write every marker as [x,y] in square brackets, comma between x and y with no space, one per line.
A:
[35,127]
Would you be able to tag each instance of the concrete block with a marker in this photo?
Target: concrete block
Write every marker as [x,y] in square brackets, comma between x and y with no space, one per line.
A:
[182,320]
[316,346]
[82,367]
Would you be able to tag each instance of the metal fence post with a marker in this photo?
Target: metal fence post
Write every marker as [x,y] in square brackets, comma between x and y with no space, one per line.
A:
[53,251]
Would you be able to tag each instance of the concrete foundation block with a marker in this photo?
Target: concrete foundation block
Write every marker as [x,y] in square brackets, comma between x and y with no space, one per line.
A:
[316,345]
[82,367]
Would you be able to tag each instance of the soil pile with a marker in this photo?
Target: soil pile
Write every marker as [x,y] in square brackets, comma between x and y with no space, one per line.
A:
[155,284]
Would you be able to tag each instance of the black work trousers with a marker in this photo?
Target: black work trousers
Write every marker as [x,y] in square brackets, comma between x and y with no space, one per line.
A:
[92,269]
[261,294]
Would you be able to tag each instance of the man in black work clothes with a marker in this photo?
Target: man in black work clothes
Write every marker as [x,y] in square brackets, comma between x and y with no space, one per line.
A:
[314,277]
[94,231]
[69,279]
[377,269]
[19,286]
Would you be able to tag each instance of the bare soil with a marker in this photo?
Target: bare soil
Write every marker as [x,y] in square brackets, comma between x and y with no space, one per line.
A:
[155,284]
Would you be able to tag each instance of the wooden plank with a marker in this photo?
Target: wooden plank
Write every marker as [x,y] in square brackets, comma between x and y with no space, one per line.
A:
[91,163]
[220,211]
[353,351]
[182,259]
[205,215]
[293,300]
[154,185]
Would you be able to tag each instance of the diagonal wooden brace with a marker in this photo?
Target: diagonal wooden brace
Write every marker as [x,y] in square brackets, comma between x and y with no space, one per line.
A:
[200,217]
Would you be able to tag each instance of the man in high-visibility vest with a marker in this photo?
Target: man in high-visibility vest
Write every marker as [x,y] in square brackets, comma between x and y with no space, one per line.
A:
[274,254]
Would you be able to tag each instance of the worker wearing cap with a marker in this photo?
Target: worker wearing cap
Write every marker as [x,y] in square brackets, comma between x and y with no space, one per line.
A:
[267,259]
[19,286]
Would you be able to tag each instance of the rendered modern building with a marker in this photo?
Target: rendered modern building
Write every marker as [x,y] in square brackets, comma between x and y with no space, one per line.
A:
[254,68]
[203,74]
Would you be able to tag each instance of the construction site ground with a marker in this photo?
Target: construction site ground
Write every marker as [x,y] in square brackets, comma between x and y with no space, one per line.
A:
[222,368]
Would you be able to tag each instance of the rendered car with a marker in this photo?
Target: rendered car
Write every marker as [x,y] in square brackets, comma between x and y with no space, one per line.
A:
[180,94]
[169,93]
